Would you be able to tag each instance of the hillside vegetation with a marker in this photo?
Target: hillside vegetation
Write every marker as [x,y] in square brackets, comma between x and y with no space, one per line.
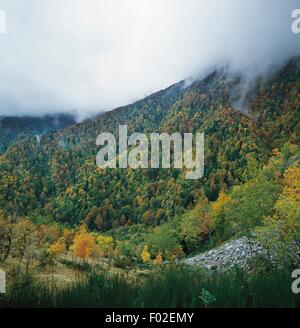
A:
[56,206]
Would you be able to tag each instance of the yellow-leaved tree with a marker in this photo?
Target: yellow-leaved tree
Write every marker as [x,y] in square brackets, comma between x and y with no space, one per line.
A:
[57,248]
[288,205]
[220,203]
[145,255]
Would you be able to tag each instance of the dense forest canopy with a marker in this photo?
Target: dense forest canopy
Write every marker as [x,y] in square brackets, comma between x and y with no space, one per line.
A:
[56,178]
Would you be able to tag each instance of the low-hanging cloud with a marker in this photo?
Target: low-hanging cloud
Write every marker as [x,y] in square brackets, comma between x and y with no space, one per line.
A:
[93,55]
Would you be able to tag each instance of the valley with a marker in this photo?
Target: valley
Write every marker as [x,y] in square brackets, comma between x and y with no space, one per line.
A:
[72,234]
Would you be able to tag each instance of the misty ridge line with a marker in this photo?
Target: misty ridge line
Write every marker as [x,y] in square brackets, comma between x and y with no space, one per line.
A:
[241,90]
[119,57]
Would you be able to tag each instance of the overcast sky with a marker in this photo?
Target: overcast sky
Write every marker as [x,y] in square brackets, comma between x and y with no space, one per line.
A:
[94,55]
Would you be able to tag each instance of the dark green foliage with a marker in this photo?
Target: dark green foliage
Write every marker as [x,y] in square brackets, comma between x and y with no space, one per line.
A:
[252,201]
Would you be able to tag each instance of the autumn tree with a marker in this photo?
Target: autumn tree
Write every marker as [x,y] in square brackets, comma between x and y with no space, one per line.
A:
[288,204]
[220,203]
[145,255]
[158,259]
[57,248]
[84,244]
[219,226]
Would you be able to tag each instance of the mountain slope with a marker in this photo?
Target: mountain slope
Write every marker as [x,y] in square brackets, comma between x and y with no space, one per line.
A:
[57,178]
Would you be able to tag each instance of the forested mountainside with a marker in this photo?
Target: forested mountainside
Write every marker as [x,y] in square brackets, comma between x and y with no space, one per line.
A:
[56,178]
[13,129]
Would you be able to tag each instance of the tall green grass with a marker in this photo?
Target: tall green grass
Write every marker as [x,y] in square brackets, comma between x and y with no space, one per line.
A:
[173,286]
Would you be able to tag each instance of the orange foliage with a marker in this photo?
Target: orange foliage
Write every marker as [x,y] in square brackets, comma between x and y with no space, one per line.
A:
[84,244]
[158,259]
[222,200]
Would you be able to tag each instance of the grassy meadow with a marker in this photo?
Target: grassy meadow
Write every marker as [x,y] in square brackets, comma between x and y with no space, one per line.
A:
[171,286]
